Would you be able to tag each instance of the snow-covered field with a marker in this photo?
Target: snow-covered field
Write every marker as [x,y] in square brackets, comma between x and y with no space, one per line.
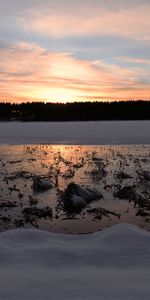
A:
[112,264]
[86,133]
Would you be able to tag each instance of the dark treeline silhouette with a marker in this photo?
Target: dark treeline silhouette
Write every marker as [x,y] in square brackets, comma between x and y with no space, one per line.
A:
[87,111]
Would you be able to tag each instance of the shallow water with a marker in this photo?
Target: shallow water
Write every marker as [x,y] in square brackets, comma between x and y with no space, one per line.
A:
[61,165]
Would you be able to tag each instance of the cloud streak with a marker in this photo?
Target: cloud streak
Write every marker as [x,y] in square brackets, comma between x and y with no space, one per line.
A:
[133,22]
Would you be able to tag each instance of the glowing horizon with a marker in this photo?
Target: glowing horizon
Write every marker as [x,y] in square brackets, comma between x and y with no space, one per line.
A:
[68,51]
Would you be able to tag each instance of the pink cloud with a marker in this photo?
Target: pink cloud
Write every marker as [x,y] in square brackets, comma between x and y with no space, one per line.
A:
[29,71]
[133,22]
[136,60]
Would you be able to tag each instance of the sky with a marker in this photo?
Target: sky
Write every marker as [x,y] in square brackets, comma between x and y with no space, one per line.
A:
[65,50]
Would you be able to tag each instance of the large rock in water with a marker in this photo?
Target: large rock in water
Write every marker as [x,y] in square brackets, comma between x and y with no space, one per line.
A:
[75,197]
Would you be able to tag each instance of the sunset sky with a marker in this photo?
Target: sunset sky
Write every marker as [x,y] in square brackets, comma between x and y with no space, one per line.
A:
[79,50]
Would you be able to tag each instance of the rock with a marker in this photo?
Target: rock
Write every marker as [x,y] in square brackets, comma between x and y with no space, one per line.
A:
[142,202]
[78,202]
[75,197]
[5,219]
[41,185]
[33,201]
[144,175]
[127,192]
[121,175]
[38,213]
[98,174]
[142,213]
[8,204]
[20,195]
[18,222]
[18,174]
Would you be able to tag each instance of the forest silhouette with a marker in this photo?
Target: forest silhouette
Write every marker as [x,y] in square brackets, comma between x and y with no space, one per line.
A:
[77,111]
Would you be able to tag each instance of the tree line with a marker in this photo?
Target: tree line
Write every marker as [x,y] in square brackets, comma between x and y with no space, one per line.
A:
[77,111]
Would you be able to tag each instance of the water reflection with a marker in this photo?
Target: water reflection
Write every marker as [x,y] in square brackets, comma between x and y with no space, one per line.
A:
[111,170]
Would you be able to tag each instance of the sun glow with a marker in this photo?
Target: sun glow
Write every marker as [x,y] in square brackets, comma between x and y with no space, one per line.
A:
[44,94]
[55,95]
[33,73]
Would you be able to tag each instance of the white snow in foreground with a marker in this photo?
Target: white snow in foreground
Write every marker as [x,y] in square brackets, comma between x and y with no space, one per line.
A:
[112,264]
[86,133]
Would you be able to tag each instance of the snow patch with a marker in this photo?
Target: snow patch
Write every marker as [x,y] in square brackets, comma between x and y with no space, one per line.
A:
[112,264]
[75,133]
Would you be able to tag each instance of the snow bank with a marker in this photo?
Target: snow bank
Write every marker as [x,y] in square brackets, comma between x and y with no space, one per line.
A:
[84,133]
[112,264]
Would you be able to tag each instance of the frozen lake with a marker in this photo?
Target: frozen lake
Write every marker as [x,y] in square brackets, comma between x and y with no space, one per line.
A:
[83,133]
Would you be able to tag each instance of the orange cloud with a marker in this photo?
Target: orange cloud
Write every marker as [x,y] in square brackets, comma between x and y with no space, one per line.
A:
[29,71]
